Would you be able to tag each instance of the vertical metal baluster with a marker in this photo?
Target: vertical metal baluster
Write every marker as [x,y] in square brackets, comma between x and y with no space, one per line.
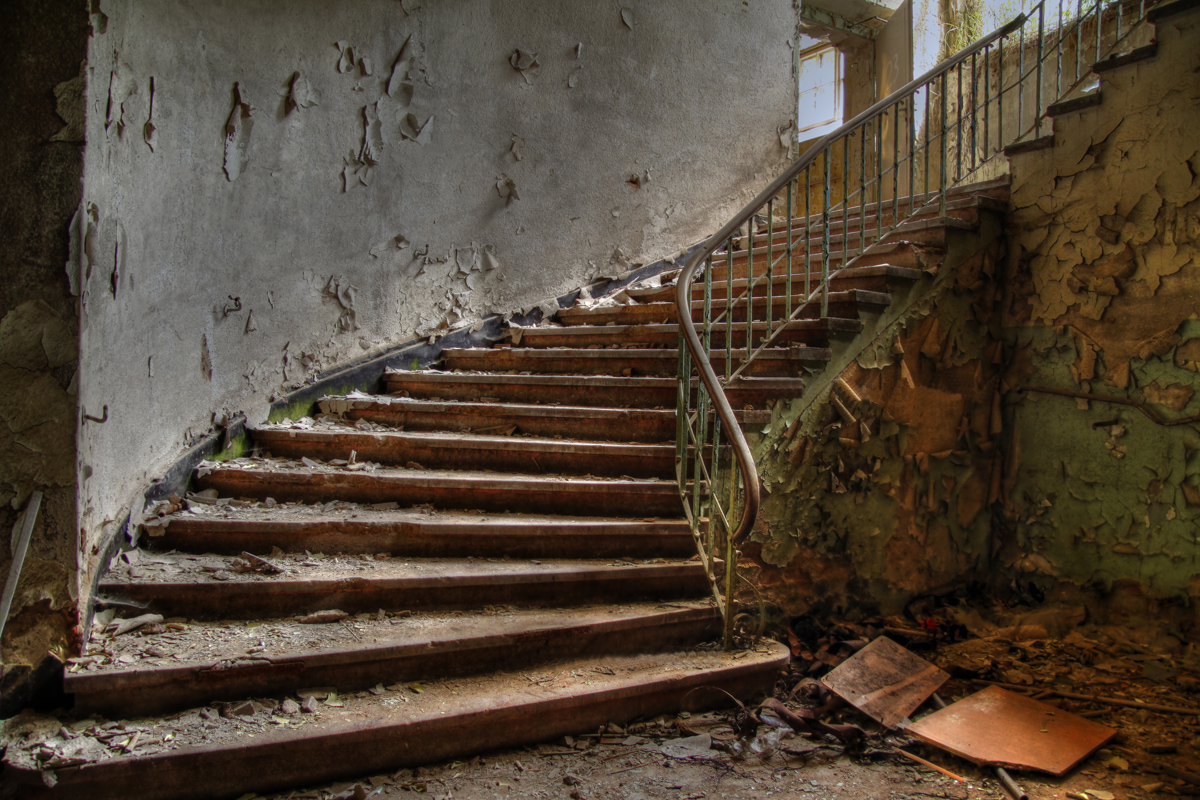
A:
[862,188]
[792,186]
[1058,37]
[925,148]
[945,130]
[707,341]
[697,471]
[895,163]
[750,287]
[1040,49]
[1099,19]
[807,232]
[1120,18]
[730,565]
[845,196]
[987,102]
[1021,82]
[958,148]
[714,471]
[1079,40]
[770,264]
[912,156]
[974,107]
[999,95]
[878,176]
[681,413]
[825,242]
[728,306]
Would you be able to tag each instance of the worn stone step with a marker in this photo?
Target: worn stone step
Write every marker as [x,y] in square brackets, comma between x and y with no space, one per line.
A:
[580,422]
[662,362]
[470,489]
[812,332]
[417,532]
[205,587]
[845,304]
[168,673]
[623,392]
[370,735]
[449,450]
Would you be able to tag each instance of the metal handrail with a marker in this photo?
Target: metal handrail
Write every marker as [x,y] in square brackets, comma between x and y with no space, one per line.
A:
[868,127]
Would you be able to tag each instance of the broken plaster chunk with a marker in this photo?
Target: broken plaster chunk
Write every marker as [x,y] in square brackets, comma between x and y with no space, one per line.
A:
[237,135]
[507,189]
[525,63]
[301,93]
[413,131]
[345,57]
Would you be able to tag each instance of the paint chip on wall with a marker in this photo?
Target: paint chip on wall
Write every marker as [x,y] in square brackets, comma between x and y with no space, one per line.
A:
[345,57]
[301,93]
[525,63]
[237,135]
[413,130]
[627,17]
[518,147]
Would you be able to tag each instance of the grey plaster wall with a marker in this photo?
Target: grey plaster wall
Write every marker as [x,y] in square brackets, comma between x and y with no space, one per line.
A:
[259,206]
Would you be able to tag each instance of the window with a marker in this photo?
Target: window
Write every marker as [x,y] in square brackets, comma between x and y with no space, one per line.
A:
[820,108]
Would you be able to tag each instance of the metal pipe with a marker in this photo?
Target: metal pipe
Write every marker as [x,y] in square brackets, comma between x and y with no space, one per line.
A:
[18,556]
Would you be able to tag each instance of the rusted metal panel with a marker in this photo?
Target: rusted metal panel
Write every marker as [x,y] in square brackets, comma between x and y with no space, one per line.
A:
[996,727]
[885,681]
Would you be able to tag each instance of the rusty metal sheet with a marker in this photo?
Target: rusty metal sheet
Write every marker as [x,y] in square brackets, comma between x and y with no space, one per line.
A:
[996,727]
[885,681]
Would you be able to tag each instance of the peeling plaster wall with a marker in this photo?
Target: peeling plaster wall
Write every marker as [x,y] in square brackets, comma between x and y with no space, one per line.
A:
[42,46]
[877,487]
[1104,281]
[271,191]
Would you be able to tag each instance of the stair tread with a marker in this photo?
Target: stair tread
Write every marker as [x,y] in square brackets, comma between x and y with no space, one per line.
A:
[415,405]
[458,440]
[291,469]
[182,758]
[667,354]
[480,376]
[221,644]
[320,569]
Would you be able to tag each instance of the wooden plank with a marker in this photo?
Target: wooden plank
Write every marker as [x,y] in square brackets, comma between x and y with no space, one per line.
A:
[885,681]
[996,727]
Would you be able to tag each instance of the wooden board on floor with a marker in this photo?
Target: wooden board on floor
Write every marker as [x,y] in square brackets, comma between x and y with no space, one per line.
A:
[996,727]
[885,681]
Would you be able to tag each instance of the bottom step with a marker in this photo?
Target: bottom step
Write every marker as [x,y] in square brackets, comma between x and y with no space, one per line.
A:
[187,757]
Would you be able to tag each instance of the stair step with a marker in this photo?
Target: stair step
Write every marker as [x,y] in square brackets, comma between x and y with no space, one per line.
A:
[1030,145]
[445,450]
[1087,100]
[841,304]
[620,392]
[369,735]
[814,332]
[420,533]
[659,362]
[897,254]
[487,491]
[1165,10]
[367,651]
[582,422]
[185,585]
[1122,59]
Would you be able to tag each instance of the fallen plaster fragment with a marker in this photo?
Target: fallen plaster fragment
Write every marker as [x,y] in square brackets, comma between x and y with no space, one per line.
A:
[507,189]
[301,94]
[517,149]
[525,63]
[237,135]
[345,57]
[627,17]
[148,130]
[400,86]
[411,130]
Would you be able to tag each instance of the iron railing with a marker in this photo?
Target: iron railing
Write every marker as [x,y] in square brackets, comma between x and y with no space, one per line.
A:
[889,165]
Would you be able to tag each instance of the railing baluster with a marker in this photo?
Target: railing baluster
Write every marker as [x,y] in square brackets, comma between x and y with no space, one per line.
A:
[770,263]
[974,107]
[1078,40]
[895,163]
[728,306]
[925,148]
[987,103]
[1040,43]
[958,148]
[750,287]
[807,232]
[942,177]
[1021,82]
[862,191]
[790,223]
[1099,20]
[825,243]
[879,176]
[912,156]
[1058,38]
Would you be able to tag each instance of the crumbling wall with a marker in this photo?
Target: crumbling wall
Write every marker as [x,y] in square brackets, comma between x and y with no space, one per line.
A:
[272,190]
[877,486]
[42,47]
[1102,491]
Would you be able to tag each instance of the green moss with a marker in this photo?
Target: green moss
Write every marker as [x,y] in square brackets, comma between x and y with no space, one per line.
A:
[240,445]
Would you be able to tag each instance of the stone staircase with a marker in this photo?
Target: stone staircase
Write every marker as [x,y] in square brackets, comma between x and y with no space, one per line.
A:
[489,554]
